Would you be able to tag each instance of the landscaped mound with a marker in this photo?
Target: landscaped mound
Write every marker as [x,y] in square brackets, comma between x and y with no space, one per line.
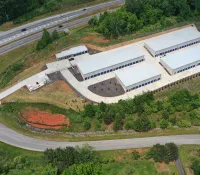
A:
[44,119]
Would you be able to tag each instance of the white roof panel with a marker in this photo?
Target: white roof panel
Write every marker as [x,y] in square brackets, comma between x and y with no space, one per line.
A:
[173,38]
[182,57]
[71,51]
[108,58]
[138,73]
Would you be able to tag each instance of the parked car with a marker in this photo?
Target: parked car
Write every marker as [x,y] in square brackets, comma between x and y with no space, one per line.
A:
[23,30]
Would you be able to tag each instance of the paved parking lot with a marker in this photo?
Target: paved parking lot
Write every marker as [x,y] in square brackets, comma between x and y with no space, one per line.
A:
[107,88]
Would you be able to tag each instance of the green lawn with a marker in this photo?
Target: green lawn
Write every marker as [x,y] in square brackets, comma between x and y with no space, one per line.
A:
[187,153]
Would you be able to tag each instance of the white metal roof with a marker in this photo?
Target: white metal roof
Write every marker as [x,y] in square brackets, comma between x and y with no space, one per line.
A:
[71,51]
[138,73]
[108,58]
[182,57]
[173,38]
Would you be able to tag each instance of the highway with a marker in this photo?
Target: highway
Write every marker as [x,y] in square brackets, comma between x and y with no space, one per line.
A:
[37,26]
[13,138]
[37,36]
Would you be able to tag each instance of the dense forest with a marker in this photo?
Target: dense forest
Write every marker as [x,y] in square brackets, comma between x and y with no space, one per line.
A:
[137,14]
[25,10]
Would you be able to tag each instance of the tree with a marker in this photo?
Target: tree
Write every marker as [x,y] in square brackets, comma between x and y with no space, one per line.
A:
[142,124]
[164,124]
[172,151]
[86,125]
[89,111]
[55,35]
[61,158]
[93,21]
[135,155]
[49,170]
[129,125]
[157,152]
[166,153]
[196,166]
[102,107]
[118,123]
[44,41]
[84,169]
[86,154]
[165,115]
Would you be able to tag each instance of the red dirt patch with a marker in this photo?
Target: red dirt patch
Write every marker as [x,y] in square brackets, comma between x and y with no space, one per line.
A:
[96,39]
[44,119]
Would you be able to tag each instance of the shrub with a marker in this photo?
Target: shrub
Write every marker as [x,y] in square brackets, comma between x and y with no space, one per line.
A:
[164,124]
[86,125]
[135,155]
[129,125]
[142,124]
[184,124]
[118,123]
[165,115]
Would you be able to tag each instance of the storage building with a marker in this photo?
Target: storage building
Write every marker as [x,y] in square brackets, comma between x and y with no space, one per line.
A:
[170,42]
[182,60]
[109,61]
[73,52]
[138,76]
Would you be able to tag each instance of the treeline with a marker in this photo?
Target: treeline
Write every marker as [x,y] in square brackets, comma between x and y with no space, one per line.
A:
[180,109]
[47,39]
[140,13]
[21,11]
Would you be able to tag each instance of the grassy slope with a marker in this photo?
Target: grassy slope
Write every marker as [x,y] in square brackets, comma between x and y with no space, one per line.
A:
[65,6]
[10,122]
[187,152]
[34,159]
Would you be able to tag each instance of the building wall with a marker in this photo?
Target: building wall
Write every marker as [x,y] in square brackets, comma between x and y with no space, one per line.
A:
[180,69]
[139,84]
[111,68]
[72,55]
[171,49]
[166,67]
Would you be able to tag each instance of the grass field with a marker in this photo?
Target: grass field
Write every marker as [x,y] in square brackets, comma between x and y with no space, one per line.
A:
[20,161]
[125,164]
[119,162]
[58,93]
[187,153]
[66,6]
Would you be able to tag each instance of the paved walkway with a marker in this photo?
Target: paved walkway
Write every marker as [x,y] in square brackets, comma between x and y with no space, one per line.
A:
[29,81]
[13,138]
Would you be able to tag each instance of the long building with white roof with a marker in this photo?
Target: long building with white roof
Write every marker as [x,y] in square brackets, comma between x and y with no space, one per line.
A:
[172,41]
[73,52]
[109,61]
[138,76]
[182,60]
